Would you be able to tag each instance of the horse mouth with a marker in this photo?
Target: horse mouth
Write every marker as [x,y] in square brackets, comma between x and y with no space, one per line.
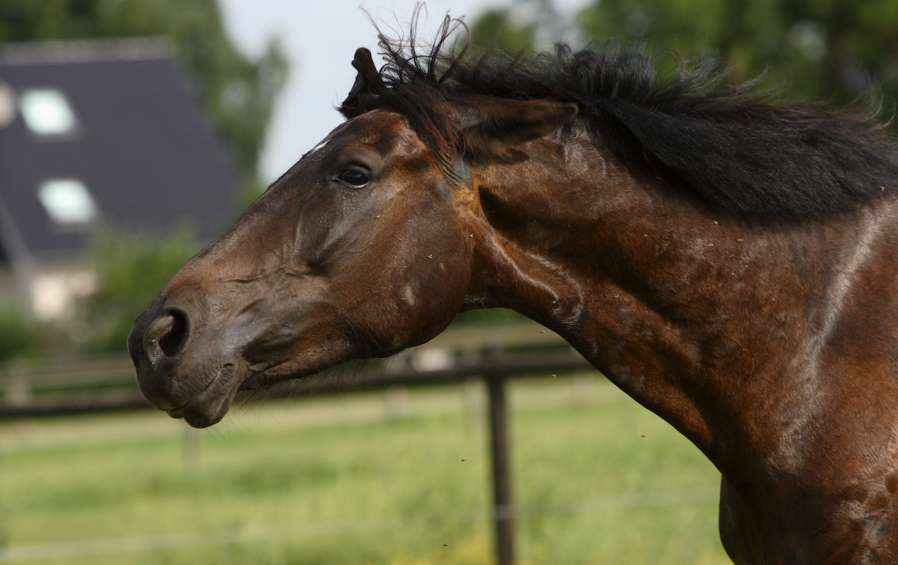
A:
[210,404]
[263,375]
[258,381]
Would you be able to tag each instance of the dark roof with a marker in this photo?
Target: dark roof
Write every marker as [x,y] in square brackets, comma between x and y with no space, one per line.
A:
[142,146]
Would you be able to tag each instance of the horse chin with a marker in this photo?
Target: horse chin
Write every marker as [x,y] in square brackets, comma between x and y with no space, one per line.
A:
[213,402]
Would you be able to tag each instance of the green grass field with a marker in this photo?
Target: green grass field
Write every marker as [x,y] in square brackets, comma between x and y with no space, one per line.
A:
[338,480]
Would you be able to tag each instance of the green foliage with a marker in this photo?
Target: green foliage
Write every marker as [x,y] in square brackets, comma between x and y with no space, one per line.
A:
[238,93]
[497,28]
[131,270]
[831,50]
[20,335]
[821,50]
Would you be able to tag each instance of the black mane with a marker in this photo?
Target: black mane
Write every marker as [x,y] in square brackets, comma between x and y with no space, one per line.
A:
[727,144]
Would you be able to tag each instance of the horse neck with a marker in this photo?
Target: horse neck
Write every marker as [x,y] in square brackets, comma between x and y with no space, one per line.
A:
[694,314]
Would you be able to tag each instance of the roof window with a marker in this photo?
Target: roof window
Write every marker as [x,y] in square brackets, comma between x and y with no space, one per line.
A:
[47,112]
[68,202]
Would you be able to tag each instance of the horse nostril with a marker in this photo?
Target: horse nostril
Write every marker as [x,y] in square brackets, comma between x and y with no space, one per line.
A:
[175,338]
[169,333]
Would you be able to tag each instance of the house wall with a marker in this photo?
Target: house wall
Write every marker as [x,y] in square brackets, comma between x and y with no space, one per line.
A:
[56,285]
[51,288]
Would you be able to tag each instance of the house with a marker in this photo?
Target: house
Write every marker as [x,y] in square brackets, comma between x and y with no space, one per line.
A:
[98,133]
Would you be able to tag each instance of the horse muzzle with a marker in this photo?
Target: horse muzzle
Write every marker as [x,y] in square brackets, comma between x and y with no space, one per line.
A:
[198,388]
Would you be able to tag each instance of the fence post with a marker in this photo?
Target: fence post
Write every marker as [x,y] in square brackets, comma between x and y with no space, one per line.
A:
[395,398]
[503,511]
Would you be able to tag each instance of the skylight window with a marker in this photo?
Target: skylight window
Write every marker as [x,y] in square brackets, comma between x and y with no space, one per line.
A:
[47,112]
[67,202]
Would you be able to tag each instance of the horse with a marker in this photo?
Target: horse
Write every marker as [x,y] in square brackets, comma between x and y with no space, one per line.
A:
[726,260]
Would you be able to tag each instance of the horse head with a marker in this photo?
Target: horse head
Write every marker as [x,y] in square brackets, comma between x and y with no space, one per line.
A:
[365,247]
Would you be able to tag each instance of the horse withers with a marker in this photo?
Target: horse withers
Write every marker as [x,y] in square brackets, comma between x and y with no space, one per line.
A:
[730,264]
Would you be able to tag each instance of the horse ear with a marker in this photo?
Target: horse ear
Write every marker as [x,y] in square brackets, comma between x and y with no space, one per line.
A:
[496,126]
[367,82]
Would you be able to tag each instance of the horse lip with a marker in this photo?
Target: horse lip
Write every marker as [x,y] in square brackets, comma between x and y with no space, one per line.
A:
[210,404]
[274,372]
[256,381]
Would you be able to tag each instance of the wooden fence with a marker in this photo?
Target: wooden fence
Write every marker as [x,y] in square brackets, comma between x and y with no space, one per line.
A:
[494,354]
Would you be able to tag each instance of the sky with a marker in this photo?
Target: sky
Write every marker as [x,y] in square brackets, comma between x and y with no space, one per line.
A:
[320,38]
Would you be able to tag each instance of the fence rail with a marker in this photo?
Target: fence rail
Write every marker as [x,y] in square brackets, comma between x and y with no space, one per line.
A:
[65,386]
[102,385]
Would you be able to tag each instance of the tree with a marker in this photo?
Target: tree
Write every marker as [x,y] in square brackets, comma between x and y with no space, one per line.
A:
[829,50]
[20,335]
[497,28]
[832,50]
[526,25]
[237,93]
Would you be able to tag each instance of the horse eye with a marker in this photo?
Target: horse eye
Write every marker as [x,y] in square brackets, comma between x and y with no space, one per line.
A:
[355,178]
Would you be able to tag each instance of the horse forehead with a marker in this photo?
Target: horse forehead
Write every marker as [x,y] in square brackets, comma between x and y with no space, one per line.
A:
[382,131]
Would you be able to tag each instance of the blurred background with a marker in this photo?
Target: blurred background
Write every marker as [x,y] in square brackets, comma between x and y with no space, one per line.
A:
[133,132]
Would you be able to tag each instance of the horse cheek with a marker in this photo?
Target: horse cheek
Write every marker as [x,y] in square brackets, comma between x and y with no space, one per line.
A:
[419,297]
